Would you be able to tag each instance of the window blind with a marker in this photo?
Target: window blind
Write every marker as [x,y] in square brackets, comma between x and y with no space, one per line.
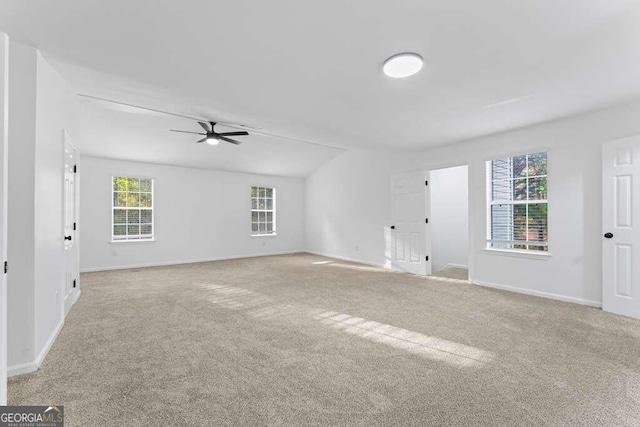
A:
[517,201]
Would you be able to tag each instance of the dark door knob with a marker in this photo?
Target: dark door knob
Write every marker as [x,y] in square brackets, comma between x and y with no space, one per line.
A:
[393,227]
[608,235]
[67,237]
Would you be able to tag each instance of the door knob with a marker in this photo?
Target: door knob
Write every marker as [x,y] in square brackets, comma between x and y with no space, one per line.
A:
[393,227]
[67,237]
[608,235]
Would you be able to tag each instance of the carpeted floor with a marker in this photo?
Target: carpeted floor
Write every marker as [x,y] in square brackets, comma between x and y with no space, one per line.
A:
[453,273]
[305,340]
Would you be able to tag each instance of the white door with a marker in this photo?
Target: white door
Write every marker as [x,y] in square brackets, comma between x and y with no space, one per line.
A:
[621,227]
[408,228]
[70,225]
[4,128]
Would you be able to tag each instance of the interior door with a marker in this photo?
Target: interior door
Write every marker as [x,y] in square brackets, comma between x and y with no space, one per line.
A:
[4,128]
[70,224]
[407,232]
[621,227]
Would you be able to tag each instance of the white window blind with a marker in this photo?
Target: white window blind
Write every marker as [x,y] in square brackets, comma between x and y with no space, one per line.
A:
[263,211]
[517,203]
[132,209]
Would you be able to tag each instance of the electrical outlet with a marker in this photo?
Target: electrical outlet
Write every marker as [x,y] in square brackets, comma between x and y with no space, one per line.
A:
[114,253]
[263,243]
[357,248]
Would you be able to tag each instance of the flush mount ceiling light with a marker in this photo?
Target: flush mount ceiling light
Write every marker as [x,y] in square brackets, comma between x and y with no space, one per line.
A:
[403,65]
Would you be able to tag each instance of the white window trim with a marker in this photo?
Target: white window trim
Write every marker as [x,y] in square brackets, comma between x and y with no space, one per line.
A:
[150,239]
[520,253]
[273,210]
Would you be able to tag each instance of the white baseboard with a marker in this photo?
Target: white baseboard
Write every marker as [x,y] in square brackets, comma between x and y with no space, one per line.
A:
[343,258]
[452,265]
[25,368]
[45,350]
[542,294]
[193,261]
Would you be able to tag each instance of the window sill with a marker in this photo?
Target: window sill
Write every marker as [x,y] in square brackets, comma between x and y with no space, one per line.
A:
[519,253]
[264,235]
[117,242]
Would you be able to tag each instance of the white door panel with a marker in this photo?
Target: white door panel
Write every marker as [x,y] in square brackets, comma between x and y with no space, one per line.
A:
[70,221]
[408,249]
[621,227]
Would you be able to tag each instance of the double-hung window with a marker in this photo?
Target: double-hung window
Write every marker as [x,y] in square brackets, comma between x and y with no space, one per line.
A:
[263,211]
[132,210]
[517,203]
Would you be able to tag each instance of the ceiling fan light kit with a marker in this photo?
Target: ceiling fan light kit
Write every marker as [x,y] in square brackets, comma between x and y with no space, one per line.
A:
[212,137]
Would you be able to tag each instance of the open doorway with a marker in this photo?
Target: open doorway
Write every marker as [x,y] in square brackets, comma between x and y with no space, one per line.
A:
[449,220]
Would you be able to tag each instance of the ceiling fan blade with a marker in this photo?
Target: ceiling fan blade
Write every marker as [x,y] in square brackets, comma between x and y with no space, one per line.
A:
[202,140]
[234,133]
[186,131]
[229,140]
[204,126]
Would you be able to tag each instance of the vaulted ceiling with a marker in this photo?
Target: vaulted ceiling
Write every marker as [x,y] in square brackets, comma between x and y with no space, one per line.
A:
[312,70]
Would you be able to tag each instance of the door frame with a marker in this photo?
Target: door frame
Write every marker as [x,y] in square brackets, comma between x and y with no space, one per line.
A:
[470,215]
[4,156]
[70,300]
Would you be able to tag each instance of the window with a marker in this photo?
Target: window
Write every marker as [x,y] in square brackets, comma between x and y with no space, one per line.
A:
[263,211]
[132,212]
[517,203]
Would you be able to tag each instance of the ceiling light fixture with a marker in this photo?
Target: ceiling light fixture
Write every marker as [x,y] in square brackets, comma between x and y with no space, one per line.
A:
[212,140]
[403,65]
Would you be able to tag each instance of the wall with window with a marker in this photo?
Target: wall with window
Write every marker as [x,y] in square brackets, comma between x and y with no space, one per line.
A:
[573,268]
[198,215]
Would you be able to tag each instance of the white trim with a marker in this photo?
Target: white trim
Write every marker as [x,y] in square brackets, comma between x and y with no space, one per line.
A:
[21,369]
[452,265]
[519,253]
[72,298]
[194,261]
[541,294]
[117,242]
[25,368]
[343,258]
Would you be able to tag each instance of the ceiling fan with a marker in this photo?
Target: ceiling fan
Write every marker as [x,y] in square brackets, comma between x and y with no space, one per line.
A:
[212,137]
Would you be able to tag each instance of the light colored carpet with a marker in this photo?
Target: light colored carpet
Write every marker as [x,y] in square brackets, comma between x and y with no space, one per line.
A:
[453,273]
[305,340]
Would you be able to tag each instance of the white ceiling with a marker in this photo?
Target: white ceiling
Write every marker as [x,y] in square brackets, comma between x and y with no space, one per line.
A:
[113,131]
[312,70]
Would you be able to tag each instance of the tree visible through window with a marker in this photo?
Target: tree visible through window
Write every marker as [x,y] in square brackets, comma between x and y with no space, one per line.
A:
[263,211]
[132,212]
[517,202]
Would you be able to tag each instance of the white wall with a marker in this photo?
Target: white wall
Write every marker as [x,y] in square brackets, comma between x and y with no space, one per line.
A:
[574,269]
[349,204]
[56,110]
[199,215]
[21,255]
[449,217]
[41,106]
[344,210]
